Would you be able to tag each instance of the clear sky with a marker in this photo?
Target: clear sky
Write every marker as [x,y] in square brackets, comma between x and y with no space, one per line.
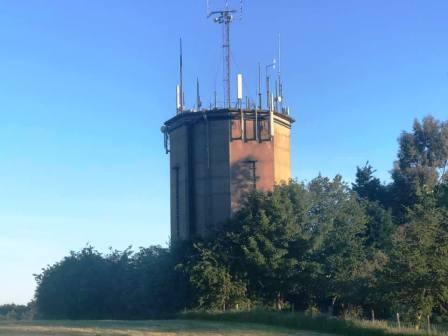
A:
[85,86]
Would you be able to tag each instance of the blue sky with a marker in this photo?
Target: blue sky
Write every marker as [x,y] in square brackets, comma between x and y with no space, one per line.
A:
[86,85]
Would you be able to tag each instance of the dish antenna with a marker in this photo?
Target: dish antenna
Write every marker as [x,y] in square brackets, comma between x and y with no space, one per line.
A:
[225,17]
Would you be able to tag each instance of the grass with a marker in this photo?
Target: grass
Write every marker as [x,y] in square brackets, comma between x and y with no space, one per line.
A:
[143,328]
[241,323]
[298,321]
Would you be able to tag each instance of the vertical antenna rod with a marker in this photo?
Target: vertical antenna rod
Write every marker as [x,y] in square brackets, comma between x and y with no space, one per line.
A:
[259,86]
[181,93]
[225,17]
[279,59]
[198,96]
[280,85]
[226,46]
[268,85]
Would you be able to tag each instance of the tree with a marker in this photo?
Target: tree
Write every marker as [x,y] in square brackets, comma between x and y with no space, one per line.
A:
[215,287]
[156,289]
[75,287]
[417,273]
[421,164]
[259,237]
[442,195]
[379,225]
[16,312]
[340,224]
[368,187]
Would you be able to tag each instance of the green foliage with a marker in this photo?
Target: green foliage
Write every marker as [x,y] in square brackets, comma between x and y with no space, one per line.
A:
[157,289]
[421,164]
[259,238]
[341,255]
[317,246]
[441,193]
[300,243]
[77,286]
[17,312]
[418,270]
[380,226]
[118,285]
[215,287]
[368,187]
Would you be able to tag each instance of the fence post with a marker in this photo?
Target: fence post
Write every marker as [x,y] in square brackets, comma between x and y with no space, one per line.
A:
[429,325]
[373,316]
[398,321]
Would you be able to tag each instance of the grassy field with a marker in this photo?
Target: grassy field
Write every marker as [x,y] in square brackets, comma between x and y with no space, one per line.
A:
[322,324]
[240,323]
[143,328]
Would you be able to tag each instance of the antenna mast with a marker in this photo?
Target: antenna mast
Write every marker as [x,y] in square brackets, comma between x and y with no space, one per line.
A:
[280,84]
[225,17]
[181,89]
[198,96]
[259,86]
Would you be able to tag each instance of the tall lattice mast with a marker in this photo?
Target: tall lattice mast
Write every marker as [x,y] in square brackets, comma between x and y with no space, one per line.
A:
[225,17]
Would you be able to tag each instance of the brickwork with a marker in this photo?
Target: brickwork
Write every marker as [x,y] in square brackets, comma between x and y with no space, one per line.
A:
[216,157]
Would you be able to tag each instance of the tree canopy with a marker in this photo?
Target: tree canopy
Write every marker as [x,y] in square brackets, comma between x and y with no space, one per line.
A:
[323,245]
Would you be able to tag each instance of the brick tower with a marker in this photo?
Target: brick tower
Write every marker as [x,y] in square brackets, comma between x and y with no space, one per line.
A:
[219,154]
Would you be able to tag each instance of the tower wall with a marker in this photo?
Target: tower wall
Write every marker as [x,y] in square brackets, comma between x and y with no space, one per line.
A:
[179,177]
[282,150]
[251,164]
[216,158]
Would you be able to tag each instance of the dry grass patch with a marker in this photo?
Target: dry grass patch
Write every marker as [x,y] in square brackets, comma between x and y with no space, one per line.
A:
[143,328]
